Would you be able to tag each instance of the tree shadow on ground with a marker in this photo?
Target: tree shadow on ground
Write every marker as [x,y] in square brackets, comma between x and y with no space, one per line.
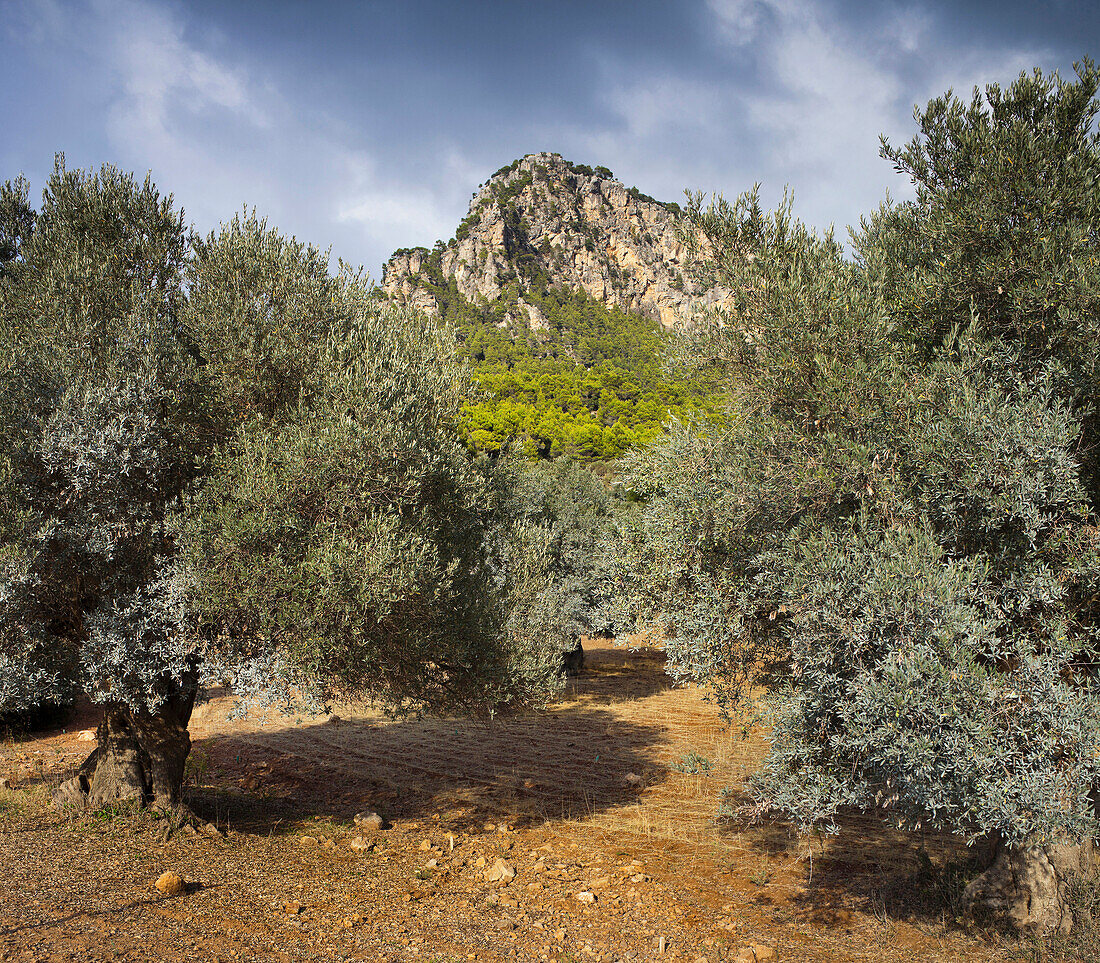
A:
[891,874]
[526,769]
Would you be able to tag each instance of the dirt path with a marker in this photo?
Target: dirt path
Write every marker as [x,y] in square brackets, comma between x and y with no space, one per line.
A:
[615,848]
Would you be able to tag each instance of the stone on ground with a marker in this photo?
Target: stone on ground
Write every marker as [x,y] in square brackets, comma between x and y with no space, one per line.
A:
[756,953]
[369,822]
[170,884]
[500,872]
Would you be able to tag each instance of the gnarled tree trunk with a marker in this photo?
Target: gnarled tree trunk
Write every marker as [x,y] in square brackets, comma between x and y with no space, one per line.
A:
[139,756]
[1026,889]
[572,660]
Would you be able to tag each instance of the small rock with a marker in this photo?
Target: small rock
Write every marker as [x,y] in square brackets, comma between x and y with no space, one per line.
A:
[539,867]
[369,822]
[249,783]
[586,897]
[5,784]
[480,862]
[431,864]
[425,846]
[309,842]
[170,884]
[87,735]
[361,844]
[211,830]
[632,779]
[602,883]
[756,953]
[293,909]
[500,872]
[329,844]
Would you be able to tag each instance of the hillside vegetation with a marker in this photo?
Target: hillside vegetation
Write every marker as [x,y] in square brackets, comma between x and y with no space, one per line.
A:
[562,374]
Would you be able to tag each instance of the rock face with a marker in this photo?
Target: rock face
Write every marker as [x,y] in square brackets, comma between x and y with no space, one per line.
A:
[545,221]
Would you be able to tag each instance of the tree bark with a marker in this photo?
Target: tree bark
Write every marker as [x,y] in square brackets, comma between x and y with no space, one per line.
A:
[572,660]
[139,756]
[1027,889]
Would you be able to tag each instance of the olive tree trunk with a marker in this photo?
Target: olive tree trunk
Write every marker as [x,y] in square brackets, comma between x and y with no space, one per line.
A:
[139,757]
[1028,889]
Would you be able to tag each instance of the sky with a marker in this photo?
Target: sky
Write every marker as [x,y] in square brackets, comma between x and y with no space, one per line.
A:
[367,126]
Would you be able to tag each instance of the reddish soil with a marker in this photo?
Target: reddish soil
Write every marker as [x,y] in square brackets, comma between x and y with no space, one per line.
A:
[547,793]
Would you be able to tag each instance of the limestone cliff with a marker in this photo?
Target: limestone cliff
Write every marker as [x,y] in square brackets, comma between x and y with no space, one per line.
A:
[543,221]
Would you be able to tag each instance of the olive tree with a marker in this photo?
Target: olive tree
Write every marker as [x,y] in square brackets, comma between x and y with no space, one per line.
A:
[102,424]
[345,534]
[895,533]
[219,456]
[16,221]
[560,514]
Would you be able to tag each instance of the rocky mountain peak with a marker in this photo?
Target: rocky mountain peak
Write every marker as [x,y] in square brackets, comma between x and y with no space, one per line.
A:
[543,221]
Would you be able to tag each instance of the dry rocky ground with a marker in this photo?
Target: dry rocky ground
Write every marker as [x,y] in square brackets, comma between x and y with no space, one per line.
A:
[576,834]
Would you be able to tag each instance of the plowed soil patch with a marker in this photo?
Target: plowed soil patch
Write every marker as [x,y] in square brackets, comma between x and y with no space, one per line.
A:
[604,807]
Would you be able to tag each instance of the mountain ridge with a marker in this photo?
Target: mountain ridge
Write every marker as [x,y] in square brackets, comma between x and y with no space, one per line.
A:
[543,221]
